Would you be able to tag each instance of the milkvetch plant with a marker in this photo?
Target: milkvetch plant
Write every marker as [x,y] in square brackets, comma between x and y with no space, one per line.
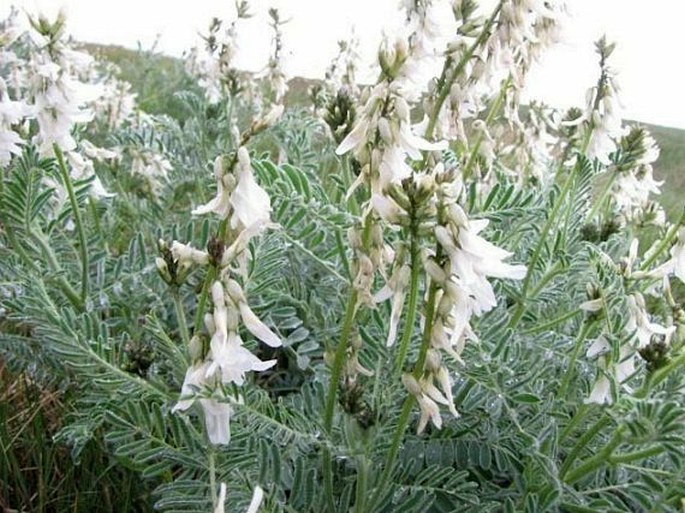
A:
[416,295]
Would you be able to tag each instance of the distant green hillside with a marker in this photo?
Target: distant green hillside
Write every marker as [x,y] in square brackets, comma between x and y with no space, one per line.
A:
[156,77]
[671,167]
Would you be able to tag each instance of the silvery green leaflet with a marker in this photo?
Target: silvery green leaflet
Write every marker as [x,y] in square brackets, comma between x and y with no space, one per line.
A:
[416,295]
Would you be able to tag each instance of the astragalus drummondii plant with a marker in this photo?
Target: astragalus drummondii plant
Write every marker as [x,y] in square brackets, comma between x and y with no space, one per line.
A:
[417,296]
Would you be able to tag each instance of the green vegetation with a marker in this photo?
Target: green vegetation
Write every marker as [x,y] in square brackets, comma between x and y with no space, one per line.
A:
[671,168]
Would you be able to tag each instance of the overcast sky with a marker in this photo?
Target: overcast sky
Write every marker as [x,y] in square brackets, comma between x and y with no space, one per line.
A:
[650,36]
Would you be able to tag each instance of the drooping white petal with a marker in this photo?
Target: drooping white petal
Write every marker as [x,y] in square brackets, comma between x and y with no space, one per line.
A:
[257,498]
[257,327]
[220,504]
[217,420]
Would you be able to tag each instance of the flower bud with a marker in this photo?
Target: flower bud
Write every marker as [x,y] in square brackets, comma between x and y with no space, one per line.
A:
[445,305]
[434,270]
[411,384]
[235,291]
[433,360]
[244,157]
[163,270]
[402,109]
[195,348]
[385,131]
[209,323]
[233,319]
[354,238]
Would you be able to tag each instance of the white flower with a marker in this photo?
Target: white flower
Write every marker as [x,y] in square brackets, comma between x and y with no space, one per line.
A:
[228,353]
[217,414]
[639,323]
[186,254]
[99,154]
[606,123]
[619,371]
[676,264]
[426,395]
[257,498]
[592,305]
[221,499]
[82,168]
[251,204]
[429,412]
[678,256]
[257,327]
[474,259]
[395,289]
[217,420]
[194,380]
[387,208]
[220,205]
[11,113]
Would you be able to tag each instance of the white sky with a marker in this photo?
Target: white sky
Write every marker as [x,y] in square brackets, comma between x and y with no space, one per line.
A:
[649,37]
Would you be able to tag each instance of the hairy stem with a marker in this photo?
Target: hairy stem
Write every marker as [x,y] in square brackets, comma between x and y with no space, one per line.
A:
[665,242]
[597,461]
[584,440]
[449,80]
[78,221]
[412,305]
[180,316]
[331,394]
[551,220]
[602,196]
[494,109]
[409,401]
[578,346]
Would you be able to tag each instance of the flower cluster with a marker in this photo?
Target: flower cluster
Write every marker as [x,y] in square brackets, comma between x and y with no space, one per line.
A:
[246,208]
[616,368]
[401,195]
[634,182]
[48,88]
[274,75]
[213,64]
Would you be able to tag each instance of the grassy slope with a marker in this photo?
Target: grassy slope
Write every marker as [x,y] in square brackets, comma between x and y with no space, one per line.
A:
[671,167]
[155,78]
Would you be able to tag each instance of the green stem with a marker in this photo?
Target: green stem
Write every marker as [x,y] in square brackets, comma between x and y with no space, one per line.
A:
[180,316]
[447,85]
[602,196]
[409,401]
[665,242]
[201,303]
[339,360]
[553,322]
[580,414]
[212,476]
[556,269]
[583,441]
[578,346]
[494,109]
[360,488]
[599,460]
[54,265]
[336,370]
[412,305]
[77,221]
[636,455]
[538,248]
